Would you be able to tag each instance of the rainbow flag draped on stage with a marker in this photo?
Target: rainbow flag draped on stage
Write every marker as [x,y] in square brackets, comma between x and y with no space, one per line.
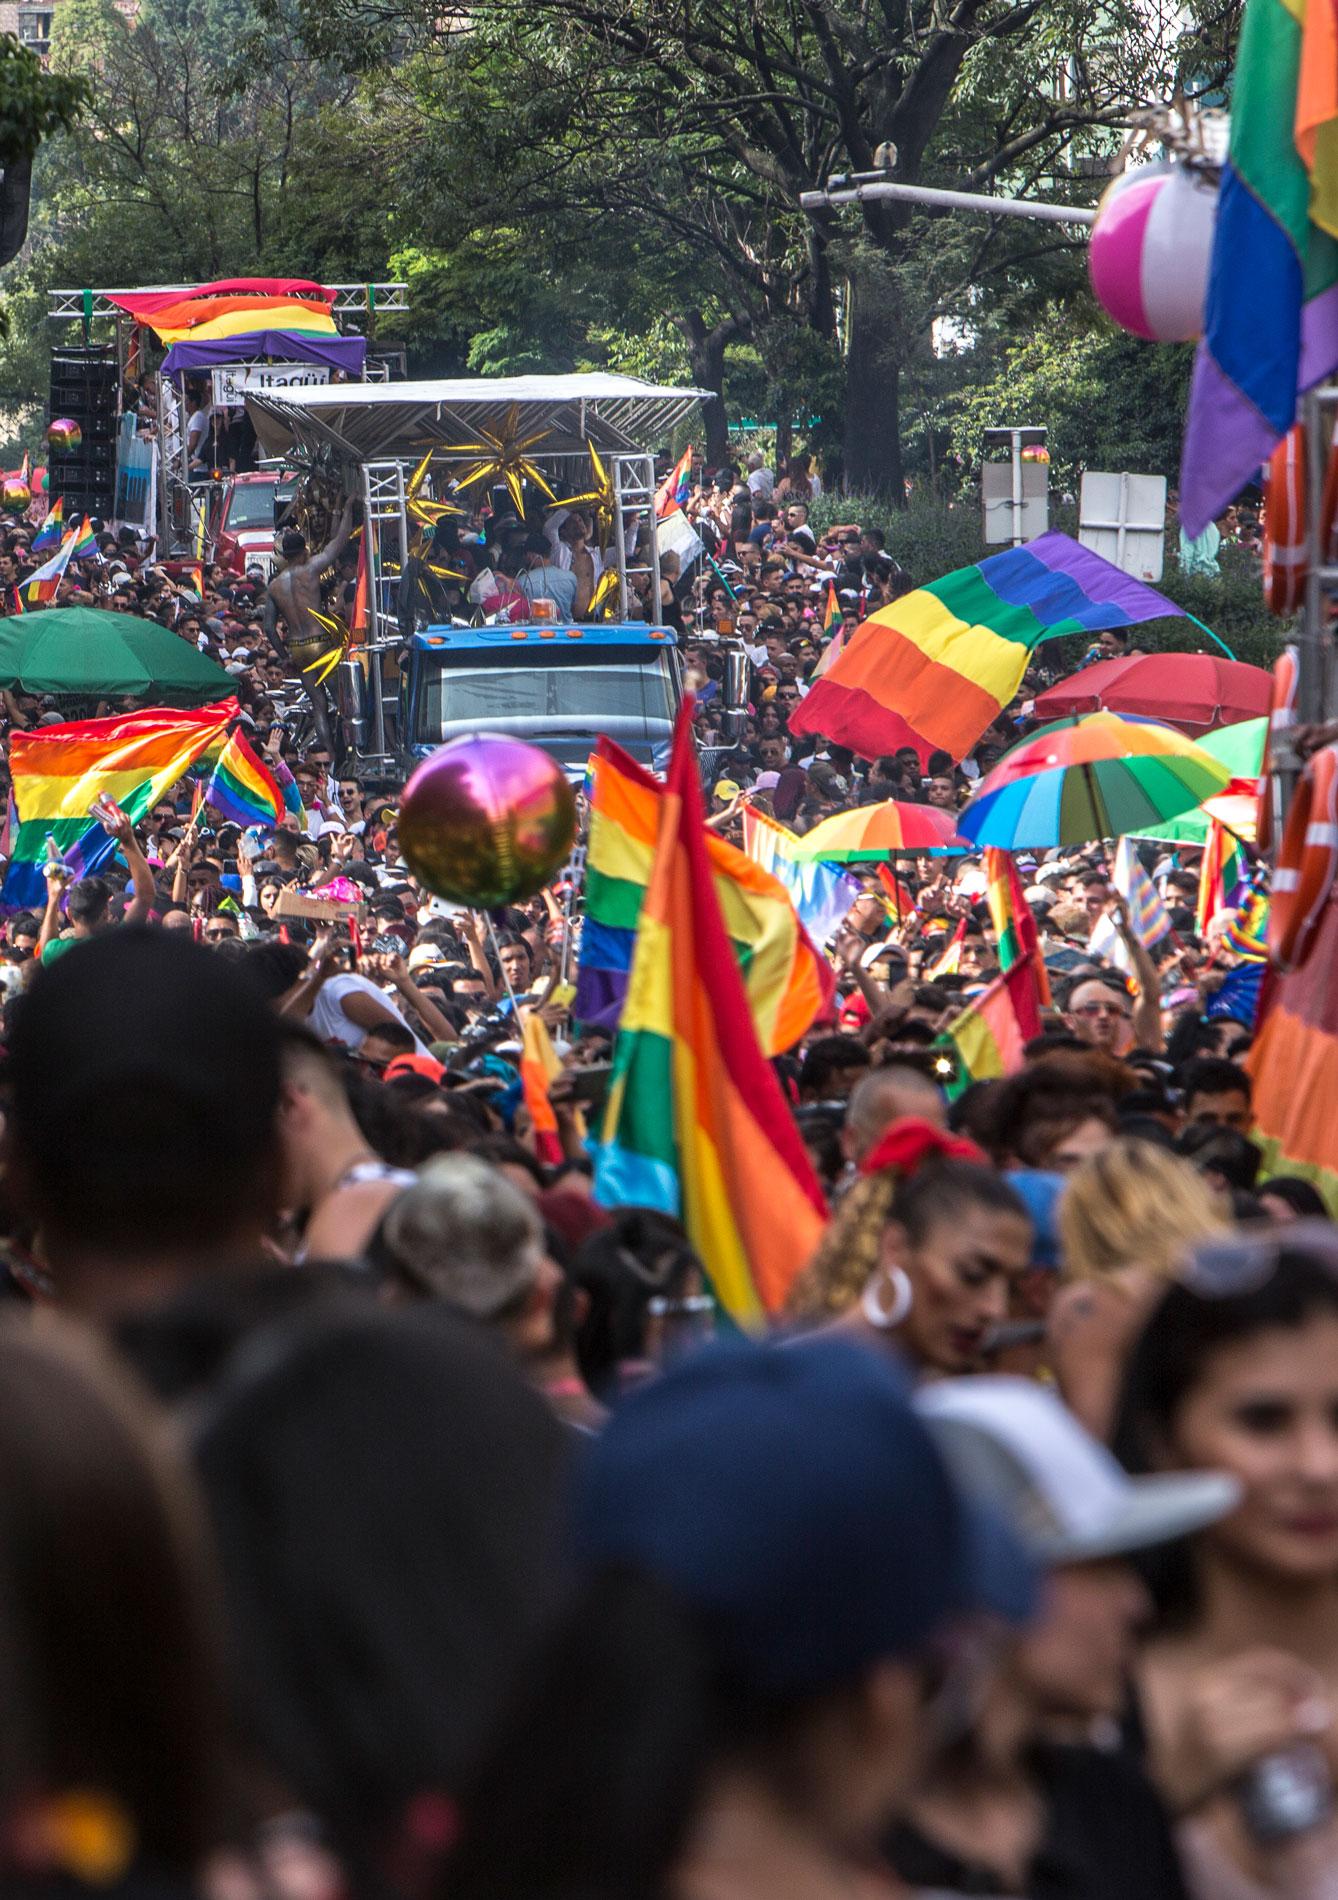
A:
[237,784]
[58,771]
[1271,313]
[787,980]
[696,1124]
[946,659]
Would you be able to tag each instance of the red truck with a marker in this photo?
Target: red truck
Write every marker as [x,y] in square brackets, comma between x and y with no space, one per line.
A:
[241,527]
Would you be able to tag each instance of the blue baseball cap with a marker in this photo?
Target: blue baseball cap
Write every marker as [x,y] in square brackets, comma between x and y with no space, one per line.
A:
[795,1504]
[1041,1192]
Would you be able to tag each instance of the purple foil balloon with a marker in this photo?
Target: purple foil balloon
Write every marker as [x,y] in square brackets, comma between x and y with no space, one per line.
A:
[487,821]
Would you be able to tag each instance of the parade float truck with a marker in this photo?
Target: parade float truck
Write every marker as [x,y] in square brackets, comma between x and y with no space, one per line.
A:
[413,678]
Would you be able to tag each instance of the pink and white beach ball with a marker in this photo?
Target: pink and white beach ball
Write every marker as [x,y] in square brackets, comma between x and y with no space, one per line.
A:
[1150,249]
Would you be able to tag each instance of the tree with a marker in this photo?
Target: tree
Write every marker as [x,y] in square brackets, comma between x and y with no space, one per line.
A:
[33,105]
[740,109]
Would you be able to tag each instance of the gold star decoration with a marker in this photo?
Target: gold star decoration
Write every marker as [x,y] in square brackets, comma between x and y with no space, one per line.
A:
[504,457]
[426,513]
[599,499]
[606,589]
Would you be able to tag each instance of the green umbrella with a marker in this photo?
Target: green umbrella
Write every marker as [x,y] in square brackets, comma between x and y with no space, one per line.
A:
[83,652]
[1240,748]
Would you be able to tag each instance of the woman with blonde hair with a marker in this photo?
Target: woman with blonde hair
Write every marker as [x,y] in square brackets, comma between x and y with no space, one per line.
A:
[1127,1220]
[922,1253]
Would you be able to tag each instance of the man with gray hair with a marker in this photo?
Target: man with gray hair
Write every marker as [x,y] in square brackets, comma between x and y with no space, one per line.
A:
[467,1236]
[761,479]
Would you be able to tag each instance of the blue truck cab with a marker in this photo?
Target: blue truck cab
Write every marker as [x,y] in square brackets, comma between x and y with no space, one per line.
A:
[555,685]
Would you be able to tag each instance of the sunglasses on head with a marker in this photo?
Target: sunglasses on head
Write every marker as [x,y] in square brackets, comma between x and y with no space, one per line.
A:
[1244,1263]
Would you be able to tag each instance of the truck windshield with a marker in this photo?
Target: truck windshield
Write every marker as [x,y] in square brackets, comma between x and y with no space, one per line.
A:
[252,505]
[625,692]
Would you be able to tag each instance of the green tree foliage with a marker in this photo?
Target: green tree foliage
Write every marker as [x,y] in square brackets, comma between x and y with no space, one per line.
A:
[1107,399]
[33,104]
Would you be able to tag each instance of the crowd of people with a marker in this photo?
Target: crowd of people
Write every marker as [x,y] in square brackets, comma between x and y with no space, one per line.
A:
[383,1518]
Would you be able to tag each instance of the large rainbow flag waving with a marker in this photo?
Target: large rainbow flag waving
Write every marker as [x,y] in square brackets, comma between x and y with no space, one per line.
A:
[58,771]
[947,658]
[696,1124]
[1271,316]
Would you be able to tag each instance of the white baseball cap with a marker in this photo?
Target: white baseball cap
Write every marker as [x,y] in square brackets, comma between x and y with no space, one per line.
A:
[1016,1446]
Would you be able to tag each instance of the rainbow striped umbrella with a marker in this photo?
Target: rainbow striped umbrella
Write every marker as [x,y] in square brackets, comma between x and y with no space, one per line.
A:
[1095,776]
[872,832]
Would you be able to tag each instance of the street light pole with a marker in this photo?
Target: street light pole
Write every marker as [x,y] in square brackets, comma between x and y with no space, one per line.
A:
[858,187]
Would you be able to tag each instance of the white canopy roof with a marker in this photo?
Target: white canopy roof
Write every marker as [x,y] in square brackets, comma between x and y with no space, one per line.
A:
[399,421]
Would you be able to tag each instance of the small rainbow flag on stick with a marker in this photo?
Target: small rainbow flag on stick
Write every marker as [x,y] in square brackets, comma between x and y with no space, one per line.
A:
[44,582]
[1013,919]
[51,530]
[237,785]
[696,1124]
[990,1036]
[540,1067]
[674,490]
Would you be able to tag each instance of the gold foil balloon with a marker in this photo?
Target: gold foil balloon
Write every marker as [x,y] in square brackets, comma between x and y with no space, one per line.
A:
[64,436]
[486,821]
[15,494]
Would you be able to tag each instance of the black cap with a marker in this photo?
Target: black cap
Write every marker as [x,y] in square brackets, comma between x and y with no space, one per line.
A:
[145,1079]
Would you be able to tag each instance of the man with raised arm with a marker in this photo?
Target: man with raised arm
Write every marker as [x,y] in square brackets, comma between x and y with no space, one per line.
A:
[295,592]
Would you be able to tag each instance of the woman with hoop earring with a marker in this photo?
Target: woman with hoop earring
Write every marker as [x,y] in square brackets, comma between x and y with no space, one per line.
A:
[922,1254]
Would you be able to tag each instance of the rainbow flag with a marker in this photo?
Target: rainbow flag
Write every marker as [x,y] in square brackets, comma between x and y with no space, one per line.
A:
[1220,873]
[1147,913]
[787,980]
[540,1067]
[1011,915]
[821,893]
[946,659]
[1294,1065]
[990,1035]
[44,582]
[950,963]
[696,1124]
[360,616]
[831,611]
[674,490]
[241,317]
[1271,316]
[1247,933]
[58,771]
[85,541]
[51,530]
[898,898]
[237,784]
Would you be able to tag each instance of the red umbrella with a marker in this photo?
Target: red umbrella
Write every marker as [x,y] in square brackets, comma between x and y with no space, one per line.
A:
[1193,691]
